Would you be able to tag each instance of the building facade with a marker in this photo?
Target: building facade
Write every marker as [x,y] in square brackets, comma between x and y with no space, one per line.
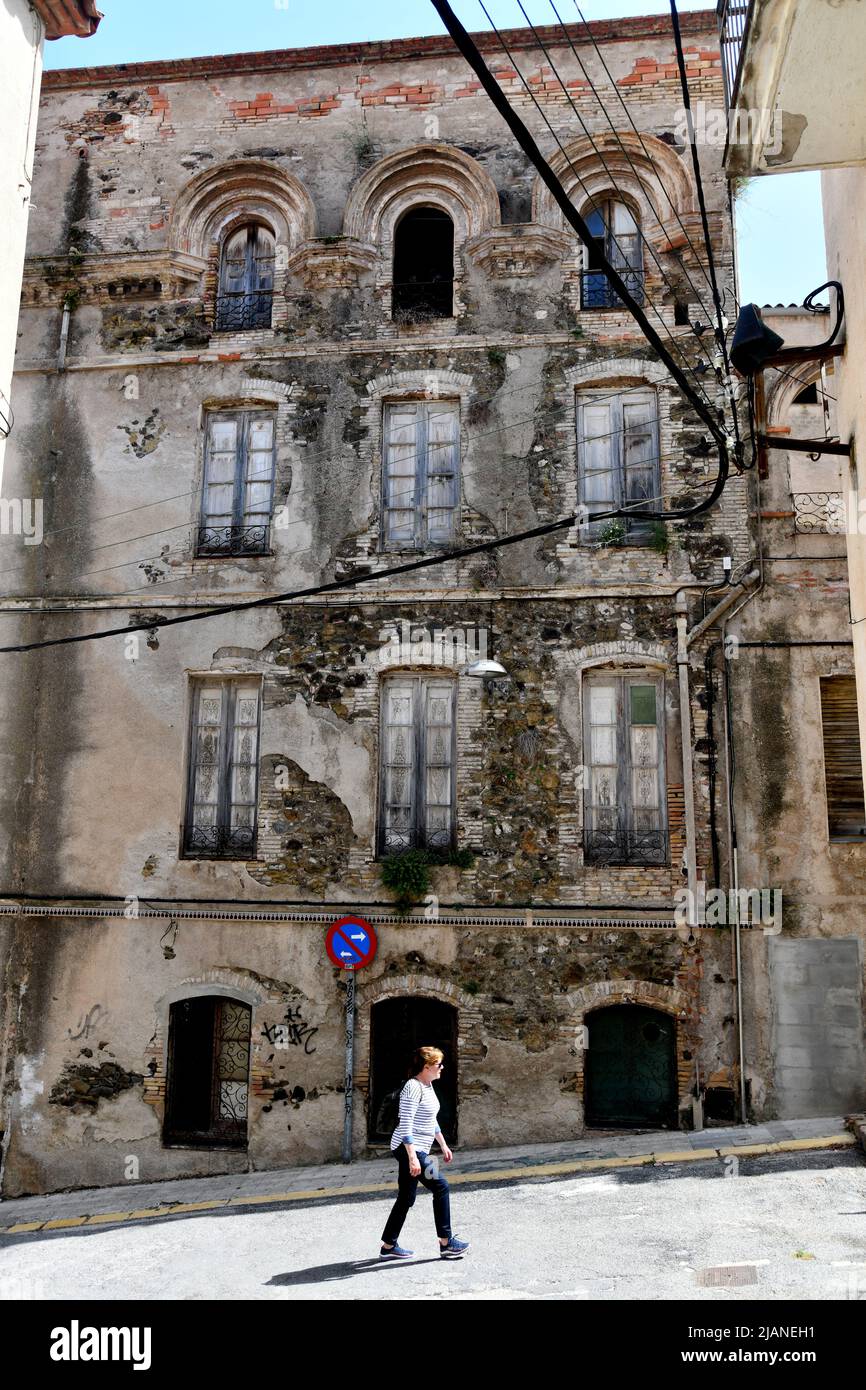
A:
[324,322]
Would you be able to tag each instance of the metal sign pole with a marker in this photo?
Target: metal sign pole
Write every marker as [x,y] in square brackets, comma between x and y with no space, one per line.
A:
[350,1065]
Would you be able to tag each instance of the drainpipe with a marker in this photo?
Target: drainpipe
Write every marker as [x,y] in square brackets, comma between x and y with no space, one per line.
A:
[64,335]
[682,613]
[744,591]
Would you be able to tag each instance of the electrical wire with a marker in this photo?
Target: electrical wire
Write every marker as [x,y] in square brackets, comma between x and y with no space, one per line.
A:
[606,268]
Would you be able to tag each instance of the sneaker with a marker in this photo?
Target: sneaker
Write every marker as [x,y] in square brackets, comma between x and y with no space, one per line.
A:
[395,1253]
[454,1250]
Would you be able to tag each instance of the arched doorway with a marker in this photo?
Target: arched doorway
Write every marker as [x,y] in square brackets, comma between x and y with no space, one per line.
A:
[630,1072]
[208,1068]
[397,1027]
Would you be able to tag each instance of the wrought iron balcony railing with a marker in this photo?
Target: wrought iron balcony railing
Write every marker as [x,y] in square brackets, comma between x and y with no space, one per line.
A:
[219,841]
[598,293]
[734,18]
[237,312]
[624,846]
[233,540]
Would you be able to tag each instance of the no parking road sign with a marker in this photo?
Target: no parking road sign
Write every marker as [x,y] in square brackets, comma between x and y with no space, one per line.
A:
[351,943]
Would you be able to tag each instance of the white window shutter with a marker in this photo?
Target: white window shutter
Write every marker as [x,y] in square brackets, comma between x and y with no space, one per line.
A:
[221,463]
[243,765]
[402,456]
[259,479]
[596,455]
[398,772]
[442,454]
[438,699]
[207,755]
[603,756]
[640,450]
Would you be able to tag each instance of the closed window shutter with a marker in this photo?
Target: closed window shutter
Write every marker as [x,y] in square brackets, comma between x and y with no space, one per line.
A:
[221,466]
[443,425]
[398,729]
[402,460]
[603,757]
[208,755]
[259,475]
[639,454]
[846,815]
[243,764]
[438,724]
[596,456]
[642,715]
[233,276]
[625,819]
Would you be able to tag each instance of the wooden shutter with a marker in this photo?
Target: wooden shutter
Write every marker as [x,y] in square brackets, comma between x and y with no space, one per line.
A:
[596,456]
[645,759]
[259,471]
[639,455]
[233,268]
[241,773]
[207,756]
[398,764]
[603,748]
[843,776]
[221,467]
[441,471]
[402,455]
[438,701]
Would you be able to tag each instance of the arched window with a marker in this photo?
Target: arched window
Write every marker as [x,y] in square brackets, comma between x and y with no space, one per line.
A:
[617,237]
[246,284]
[208,1073]
[423,286]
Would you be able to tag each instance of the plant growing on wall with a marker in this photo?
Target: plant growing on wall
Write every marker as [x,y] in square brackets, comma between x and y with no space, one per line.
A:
[659,541]
[407,874]
[613,532]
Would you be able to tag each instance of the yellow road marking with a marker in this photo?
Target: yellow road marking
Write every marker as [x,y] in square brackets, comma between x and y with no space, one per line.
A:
[535,1170]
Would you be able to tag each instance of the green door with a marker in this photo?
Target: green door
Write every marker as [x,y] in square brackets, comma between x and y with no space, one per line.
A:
[630,1068]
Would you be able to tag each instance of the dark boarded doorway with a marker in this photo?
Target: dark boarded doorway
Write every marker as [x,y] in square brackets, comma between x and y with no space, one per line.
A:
[630,1077]
[208,1073]
[397,1027]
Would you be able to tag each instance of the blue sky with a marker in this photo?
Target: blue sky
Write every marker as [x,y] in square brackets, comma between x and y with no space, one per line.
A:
[781,238]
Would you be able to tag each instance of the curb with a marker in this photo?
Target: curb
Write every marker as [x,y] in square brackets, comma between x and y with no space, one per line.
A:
[537,1170]
[857,1125]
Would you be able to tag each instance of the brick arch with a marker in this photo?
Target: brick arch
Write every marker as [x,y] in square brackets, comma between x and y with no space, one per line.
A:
[669,999]
[471,1048]
[644,169]
[620,369]
[442,175]
[238,191]
[622,650]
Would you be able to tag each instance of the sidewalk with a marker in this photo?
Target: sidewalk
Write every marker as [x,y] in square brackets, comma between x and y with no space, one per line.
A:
[146,1201]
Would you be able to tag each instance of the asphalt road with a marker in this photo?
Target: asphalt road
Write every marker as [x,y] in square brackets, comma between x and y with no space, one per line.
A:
[780,1227]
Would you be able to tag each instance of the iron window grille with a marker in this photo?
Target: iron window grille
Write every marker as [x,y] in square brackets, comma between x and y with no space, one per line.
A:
[417,764]
[734,18]
[223,771]
[246,282]
[238,483]
[624,796]
[616,237]
[618,457]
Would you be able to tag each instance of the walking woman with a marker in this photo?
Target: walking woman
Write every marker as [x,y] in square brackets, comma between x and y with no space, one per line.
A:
[411,1143]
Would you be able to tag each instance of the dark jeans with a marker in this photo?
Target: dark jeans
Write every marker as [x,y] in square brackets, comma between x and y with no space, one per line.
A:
[406,1191]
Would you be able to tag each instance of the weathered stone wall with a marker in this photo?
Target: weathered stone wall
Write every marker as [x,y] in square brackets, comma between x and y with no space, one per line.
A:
[137,171]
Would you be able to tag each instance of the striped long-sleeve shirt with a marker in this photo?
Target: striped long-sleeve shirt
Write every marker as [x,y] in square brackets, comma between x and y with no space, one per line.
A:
[419,1106]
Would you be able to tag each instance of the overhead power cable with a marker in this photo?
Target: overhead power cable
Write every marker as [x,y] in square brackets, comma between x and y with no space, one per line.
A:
[592,203]
[530,148]
[600,261]
[702,204]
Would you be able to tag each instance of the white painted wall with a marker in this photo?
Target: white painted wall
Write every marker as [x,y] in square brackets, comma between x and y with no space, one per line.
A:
[844,197]
[21,41]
